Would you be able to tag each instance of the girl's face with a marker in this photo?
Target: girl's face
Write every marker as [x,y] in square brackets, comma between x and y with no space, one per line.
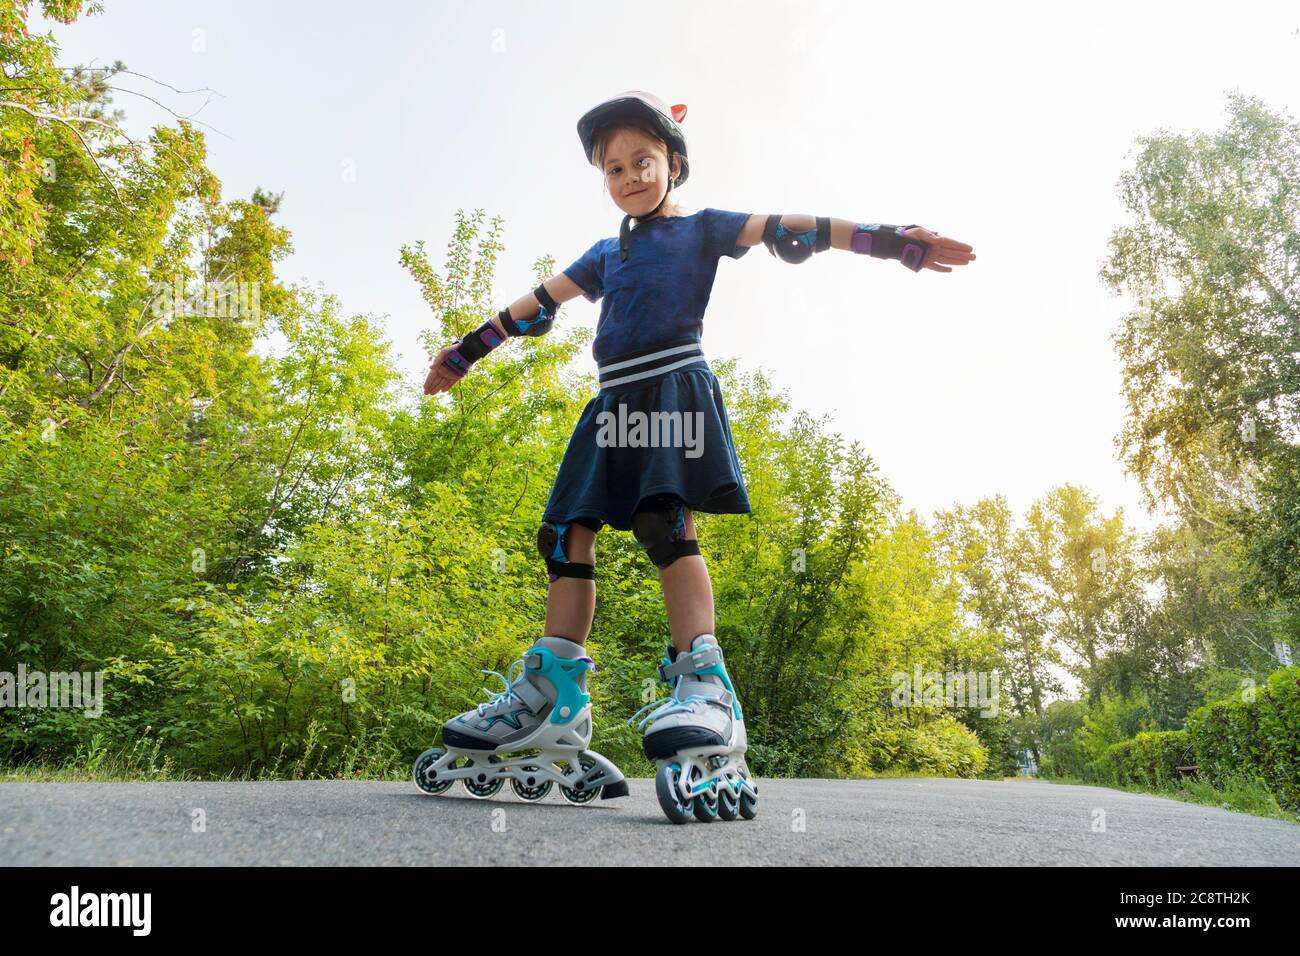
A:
[637,171]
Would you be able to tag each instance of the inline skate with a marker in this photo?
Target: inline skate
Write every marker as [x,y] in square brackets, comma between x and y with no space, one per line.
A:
[533,733]
[697,739]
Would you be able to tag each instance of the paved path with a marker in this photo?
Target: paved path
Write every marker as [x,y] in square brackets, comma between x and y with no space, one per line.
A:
[897,822]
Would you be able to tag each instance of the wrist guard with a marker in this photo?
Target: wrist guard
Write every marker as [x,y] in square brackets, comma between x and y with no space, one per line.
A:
[888,242]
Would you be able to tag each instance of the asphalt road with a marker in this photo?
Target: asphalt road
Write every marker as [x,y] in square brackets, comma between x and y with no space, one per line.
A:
[911,822]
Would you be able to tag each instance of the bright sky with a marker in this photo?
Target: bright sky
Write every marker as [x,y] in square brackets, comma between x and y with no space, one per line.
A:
[1007,129]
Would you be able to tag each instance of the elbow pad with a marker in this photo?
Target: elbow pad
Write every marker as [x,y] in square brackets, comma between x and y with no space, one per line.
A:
[888,242]
[539,324]
[796,247]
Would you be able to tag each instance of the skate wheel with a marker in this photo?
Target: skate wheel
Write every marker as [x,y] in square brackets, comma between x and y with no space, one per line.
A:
[534,791]
[585,796]
[667,789]
[422,764]
[748,804]
[705,808]
[482,789]
[728,804]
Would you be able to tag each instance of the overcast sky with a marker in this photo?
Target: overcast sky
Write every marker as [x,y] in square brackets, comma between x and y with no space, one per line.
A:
[1007,128]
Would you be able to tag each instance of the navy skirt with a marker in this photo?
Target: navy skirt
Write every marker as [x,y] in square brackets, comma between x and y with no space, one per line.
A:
[657,426]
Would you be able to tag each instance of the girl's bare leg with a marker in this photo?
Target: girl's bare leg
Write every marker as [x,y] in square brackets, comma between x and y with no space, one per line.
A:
[688,595]
[571,602]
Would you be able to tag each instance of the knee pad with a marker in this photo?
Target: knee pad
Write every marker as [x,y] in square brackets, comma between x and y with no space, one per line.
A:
[553,543]
[796,247]
[660,528]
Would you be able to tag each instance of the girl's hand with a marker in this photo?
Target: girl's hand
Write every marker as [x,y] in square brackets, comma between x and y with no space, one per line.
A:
[944,250]
[440,377]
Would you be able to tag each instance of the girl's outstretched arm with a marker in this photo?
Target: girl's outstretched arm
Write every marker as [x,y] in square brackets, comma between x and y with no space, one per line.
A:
[796,236]
[531,314]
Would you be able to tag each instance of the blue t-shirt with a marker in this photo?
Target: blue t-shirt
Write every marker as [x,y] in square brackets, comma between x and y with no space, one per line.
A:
[660,292]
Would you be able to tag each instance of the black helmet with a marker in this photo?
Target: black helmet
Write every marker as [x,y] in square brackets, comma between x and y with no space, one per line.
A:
[636,104]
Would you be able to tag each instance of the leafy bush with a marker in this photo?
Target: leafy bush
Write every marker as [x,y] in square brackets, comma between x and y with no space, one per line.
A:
[942,746]
[1255,733]
[1150,759]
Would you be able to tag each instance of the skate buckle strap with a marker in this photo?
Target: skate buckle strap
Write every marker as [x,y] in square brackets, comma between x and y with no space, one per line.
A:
[690,663]
[533,698]
[534,662]
[726,698]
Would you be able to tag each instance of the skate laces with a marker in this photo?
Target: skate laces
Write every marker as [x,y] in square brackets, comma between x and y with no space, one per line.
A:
[508,679]
[667,706]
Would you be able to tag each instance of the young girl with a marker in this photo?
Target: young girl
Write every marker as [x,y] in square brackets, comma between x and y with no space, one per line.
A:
[649,450]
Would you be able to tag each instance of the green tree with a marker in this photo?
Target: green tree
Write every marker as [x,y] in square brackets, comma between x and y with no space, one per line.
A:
[1208,357]
[991,556]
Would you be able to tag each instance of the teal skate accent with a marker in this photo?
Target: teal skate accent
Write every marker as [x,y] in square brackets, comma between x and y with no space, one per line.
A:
[717,670]
[512,719]
[563,672]
[721,781]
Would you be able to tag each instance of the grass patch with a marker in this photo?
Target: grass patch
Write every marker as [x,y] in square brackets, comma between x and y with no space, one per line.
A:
[1239,793]
[143,762]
